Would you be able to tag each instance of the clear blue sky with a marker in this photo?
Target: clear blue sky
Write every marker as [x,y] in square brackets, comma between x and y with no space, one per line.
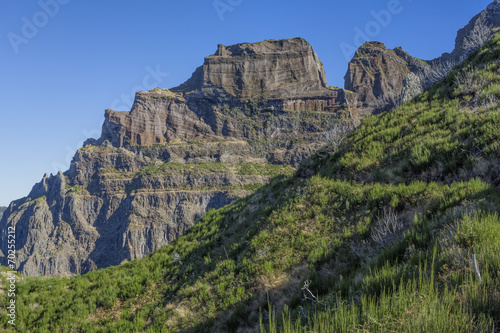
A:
[90,55]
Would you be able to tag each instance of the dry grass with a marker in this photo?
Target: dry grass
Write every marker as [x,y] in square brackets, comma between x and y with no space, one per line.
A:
[114,313]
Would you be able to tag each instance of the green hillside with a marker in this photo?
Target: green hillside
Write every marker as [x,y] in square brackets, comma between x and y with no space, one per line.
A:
[375,237]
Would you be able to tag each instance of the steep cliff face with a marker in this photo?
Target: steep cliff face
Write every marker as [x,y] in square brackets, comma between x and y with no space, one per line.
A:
[276,68]
[253,111]
[82,221]
[381,78]
[480,28]
[164,117]
[237,83]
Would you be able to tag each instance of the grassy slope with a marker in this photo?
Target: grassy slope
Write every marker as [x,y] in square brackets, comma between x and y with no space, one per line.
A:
[383,233]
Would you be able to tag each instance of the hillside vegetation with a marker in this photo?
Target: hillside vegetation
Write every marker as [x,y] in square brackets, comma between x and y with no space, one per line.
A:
[377,236]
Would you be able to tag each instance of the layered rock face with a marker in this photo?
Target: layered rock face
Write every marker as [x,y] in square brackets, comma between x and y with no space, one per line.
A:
[237,82]
[250,112]
[279,69]
[253,111]
[381,78]
[113,206]
[164,117]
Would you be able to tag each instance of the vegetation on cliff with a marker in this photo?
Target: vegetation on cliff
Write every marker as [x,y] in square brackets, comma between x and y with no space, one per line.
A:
[178,153]
[379,238]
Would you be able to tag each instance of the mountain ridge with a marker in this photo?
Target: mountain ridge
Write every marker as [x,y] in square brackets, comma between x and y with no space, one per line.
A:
[382,79]
[174,156]
[265,103]
[378,235]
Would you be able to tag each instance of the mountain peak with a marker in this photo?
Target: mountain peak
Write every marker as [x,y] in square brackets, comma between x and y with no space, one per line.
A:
[284,68]
[266,46]
[272,75]
[477,31]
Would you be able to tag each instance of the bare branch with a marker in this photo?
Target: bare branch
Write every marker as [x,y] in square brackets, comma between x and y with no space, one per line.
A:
[309,294]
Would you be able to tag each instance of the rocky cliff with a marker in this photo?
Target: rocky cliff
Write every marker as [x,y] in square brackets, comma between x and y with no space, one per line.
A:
[381,78]
[251,112]
[279,69]
[480,28]
[236,84]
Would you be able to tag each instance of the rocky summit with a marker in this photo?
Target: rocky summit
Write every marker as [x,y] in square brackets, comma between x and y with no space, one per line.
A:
[251,112]
[236,82]
[381,78]
[282,69]
[475,33]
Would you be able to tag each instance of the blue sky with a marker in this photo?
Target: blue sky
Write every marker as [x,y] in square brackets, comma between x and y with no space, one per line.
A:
[65,61]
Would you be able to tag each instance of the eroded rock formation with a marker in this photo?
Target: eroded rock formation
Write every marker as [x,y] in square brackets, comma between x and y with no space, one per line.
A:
[273,68]
[475,33]
[381,78]
[251,112]
[237,82]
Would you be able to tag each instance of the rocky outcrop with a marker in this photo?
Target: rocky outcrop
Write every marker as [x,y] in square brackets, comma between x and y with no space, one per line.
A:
[251,112]
[475,33]
[274,68]
[157,117]
[113,218]
[382,79]
[161,116]
[236,83]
